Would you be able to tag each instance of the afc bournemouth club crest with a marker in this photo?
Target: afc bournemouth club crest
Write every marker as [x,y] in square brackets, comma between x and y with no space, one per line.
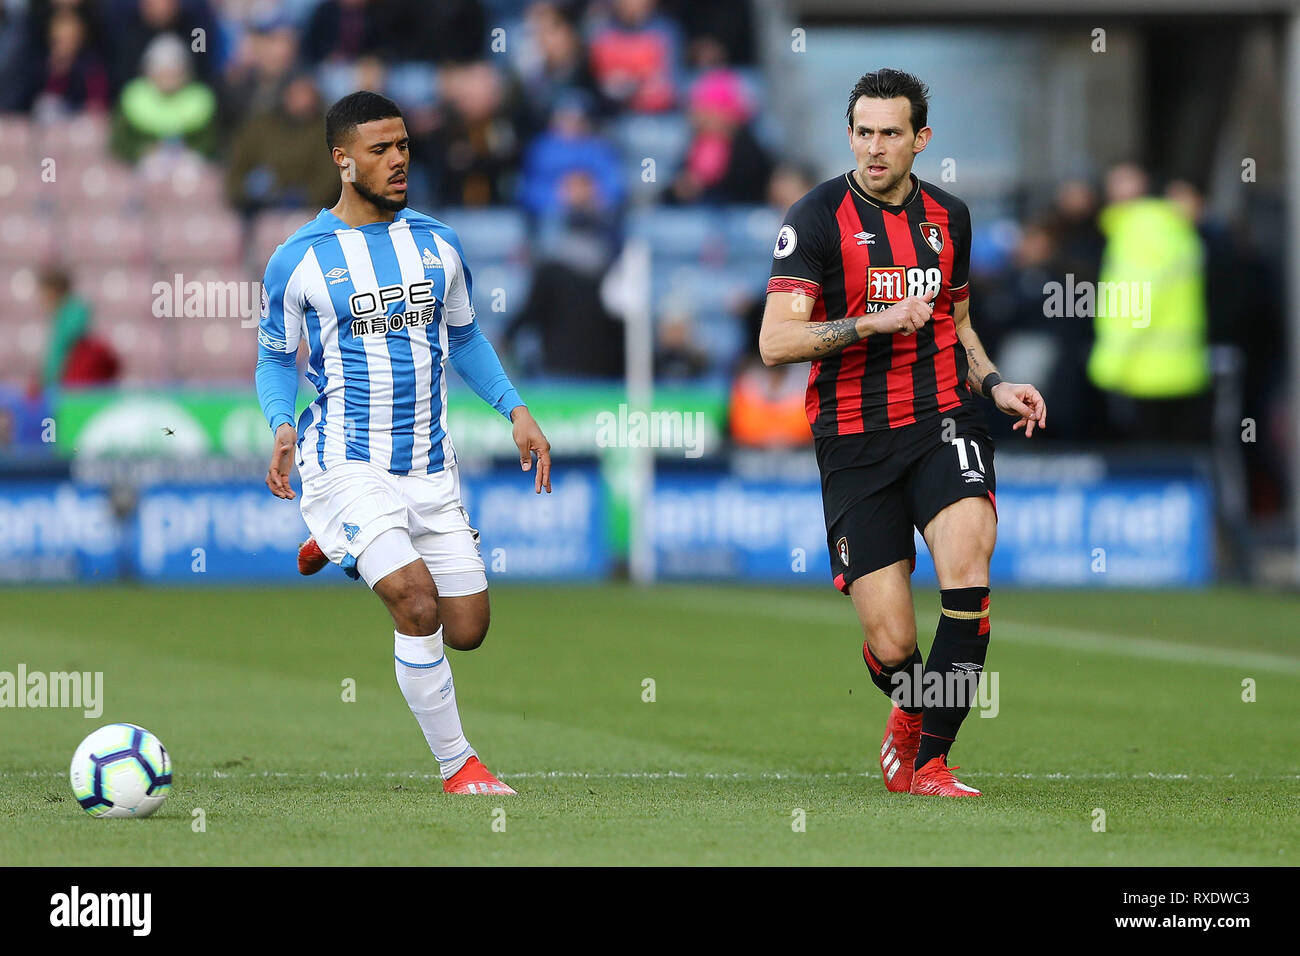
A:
[933,236]
[842,546]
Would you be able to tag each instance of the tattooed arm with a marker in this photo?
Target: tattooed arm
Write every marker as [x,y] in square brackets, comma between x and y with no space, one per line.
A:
[788,335]
[978,363]
[1022,401]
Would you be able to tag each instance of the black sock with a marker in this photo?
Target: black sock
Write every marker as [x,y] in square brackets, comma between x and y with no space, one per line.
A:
[906,690]
[953,669]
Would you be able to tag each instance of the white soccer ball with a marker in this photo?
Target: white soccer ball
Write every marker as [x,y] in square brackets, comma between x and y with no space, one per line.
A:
[121,771]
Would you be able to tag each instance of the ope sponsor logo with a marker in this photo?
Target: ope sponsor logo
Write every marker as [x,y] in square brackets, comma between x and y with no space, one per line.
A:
[638,429]
[958,688]
[74,908]
[1086,300]
[74,689]
[208,299]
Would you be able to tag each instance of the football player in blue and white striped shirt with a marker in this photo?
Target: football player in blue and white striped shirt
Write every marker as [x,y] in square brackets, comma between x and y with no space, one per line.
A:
[381,296]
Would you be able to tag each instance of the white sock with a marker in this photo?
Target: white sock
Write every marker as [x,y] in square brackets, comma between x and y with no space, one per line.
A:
[424,675]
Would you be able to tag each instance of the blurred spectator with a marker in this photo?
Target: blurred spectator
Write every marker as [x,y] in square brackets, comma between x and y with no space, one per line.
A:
[767,406]
[788,183]
[724,161]
[164,105]
[279,159]
[73,76]
[341,31]
[134,25]
[565,319]
[678,357]
[473,146]
[636,56]
[570,146]
[75,356]
[1151,357]
[263,64]
[1073,220]
[718,32]
[442,31]
[554,65]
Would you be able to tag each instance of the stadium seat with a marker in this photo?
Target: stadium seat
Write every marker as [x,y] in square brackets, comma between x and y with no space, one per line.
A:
[19,299]
[114,290]
[687,234]
[82,135]
[751,233]
[25,239]
[102,237]
[663,138]
[211,235]
[144,346]
[215,351]
[487,233]
[16,134]
[272,227]
[25,359]
[101,186]
[187,183]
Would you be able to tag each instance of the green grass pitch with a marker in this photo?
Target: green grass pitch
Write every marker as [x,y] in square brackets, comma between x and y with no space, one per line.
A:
[1128,703]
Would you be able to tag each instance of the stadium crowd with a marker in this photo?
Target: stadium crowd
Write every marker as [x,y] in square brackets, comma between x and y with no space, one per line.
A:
[188,140]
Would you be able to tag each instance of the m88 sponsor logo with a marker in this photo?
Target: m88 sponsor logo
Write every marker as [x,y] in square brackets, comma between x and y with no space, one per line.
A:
[889,284]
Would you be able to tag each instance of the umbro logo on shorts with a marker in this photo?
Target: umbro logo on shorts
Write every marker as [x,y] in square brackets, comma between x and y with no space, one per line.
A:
[972,475]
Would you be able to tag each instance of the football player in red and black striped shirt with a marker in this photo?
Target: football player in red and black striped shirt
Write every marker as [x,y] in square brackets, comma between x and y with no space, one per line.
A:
[869,282]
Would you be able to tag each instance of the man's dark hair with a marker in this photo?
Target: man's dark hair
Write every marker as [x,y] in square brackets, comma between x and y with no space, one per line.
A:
[886,84]
[354,109]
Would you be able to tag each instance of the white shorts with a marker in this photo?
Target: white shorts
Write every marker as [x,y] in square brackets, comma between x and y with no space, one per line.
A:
[349,506]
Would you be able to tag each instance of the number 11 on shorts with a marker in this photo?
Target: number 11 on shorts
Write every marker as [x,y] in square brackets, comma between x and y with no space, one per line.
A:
[963,461]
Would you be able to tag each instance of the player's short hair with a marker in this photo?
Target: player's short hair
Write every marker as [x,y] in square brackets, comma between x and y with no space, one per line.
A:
[354,109]
[886,84]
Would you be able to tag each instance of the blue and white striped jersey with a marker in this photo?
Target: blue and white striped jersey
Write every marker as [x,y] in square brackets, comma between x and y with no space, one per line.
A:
[374,304]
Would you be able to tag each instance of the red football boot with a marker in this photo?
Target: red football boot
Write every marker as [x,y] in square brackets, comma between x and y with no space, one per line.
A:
[898,749]
[475,778]
[310,557]
[935,779]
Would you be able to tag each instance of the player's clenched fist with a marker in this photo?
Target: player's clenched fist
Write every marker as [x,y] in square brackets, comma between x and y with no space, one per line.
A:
[905,317]
[277,476]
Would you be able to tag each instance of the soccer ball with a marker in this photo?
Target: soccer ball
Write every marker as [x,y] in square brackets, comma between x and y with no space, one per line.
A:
[121,771]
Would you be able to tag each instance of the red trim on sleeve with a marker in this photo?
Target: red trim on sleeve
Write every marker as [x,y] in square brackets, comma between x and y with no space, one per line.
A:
[791,284]
[960,295]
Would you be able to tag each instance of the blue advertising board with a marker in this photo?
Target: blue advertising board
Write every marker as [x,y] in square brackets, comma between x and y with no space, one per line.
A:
[196,534]
[1123,532]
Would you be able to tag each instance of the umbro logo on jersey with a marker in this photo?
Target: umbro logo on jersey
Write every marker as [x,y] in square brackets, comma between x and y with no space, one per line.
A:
[968,667]
[336,275]
[865,238]
[430,260]
[972,475]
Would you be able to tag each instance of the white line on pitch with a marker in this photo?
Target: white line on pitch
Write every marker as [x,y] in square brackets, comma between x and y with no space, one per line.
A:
[1012,631]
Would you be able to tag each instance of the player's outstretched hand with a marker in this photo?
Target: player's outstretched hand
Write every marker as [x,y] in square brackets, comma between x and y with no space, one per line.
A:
[1022,400]
[277,476]
[529,439]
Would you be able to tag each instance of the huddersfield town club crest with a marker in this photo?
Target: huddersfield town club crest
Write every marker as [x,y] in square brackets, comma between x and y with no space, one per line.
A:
[933,236]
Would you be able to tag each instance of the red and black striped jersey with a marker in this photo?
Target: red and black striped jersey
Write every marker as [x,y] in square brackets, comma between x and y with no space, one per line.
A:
[853,256]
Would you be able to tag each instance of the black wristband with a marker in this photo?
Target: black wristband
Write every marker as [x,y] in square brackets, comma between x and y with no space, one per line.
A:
[988,383]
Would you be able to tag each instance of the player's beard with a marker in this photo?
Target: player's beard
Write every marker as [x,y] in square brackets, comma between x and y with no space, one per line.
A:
[380,202]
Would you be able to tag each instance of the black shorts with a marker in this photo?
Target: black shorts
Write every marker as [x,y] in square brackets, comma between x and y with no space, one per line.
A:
[878,486]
